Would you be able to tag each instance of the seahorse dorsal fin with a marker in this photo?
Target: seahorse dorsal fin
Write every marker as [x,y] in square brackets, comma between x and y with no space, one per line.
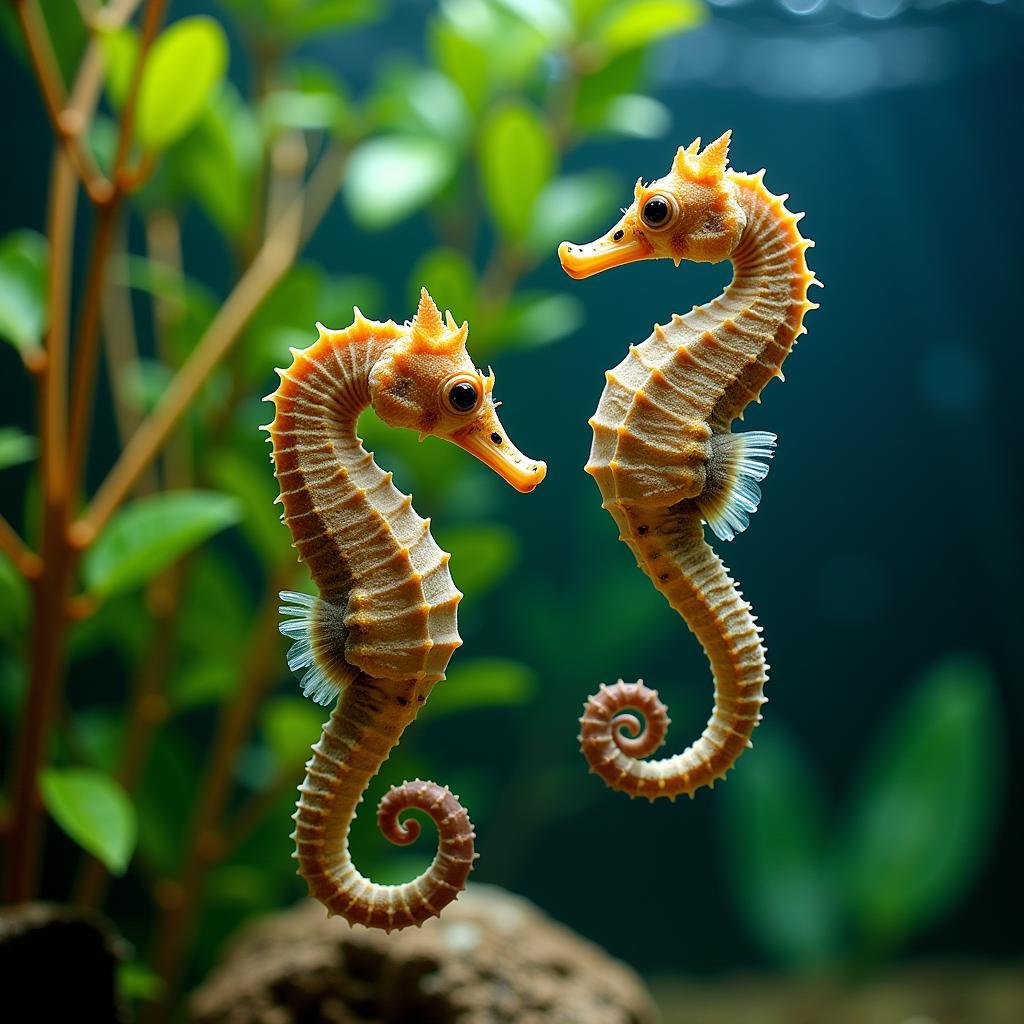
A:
[715,156]
[737,464]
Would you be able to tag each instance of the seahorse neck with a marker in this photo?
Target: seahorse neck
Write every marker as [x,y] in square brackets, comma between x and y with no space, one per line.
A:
[749,330]
[320,459]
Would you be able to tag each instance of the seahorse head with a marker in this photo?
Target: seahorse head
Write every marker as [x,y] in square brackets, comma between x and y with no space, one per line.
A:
[689,214]
[427,382]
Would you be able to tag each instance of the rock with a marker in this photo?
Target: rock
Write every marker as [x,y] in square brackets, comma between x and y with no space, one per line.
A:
[491,958]
[78,949]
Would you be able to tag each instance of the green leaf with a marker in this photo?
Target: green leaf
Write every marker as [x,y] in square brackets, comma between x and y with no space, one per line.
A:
[150,534]
[634,116]
[13,679]
[122,625]
[66,30]
[152,276]
[391,177]
[136,981]
[637,23]
[482,682]
[143,383]
[215,621]
[294,19]
[185,65]
[549,17]
[781,871]
[450,279]
[24,271]
[481,555]
[291,725]
[120,51]
[94,811]
[463,61]
[926,803]
[503,45]
[306,111]
[585,11]
[420,101]
[217,160]
[534,319]
[571,207]
[517,159]
[98,736]
[202,682]
[621,75]
[16,447]
[14,600]
[254,486]
[166,796]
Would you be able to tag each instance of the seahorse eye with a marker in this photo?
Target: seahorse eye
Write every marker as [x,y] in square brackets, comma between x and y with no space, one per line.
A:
[463,396]
[655,211]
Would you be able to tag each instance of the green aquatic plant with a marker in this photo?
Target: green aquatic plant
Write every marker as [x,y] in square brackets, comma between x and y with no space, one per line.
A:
[143,695]
[823,890]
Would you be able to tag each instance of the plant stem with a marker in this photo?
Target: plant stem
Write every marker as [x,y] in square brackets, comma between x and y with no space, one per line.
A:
[68,125]
[121,350]
[275,256]
[52,592]
[50,596]
[87,347]
[25,560]
[163,242]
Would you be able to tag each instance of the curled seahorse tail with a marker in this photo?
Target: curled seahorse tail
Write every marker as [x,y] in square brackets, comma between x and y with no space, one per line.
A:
[670,547]
[365,725]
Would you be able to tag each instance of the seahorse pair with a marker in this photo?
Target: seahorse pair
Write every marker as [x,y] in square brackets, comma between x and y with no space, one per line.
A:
[383,628]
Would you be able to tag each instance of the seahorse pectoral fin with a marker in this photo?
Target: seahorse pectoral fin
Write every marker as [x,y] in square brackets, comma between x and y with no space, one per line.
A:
[737,463]
[318,651]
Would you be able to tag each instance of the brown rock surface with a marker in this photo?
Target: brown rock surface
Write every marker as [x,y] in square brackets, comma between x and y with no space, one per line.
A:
[492,958]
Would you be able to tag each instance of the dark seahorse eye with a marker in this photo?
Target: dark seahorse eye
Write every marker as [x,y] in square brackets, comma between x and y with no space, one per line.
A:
[463,397]
[655,211]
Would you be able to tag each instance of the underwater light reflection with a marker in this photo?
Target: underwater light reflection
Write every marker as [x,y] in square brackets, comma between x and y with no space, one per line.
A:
[836,65]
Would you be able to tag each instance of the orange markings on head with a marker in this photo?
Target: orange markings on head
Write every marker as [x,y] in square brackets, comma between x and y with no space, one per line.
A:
[691,213]
[427,382]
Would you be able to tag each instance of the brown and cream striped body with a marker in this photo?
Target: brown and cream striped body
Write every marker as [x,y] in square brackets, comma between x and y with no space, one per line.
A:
[383,628]
[666,461]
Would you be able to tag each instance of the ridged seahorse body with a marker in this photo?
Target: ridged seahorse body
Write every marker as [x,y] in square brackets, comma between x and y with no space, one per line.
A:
[666,460]
[383,628]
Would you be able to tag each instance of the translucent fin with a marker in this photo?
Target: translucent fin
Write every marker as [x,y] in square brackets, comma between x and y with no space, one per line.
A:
[317,654]
[738,463]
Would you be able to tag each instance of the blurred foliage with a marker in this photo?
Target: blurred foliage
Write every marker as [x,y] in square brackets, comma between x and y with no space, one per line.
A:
[24,263]
[179,589]
[909,840]
[174,629]
[94,810]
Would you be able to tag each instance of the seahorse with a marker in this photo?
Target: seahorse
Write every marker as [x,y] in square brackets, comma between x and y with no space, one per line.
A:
[381,631]
[666,460]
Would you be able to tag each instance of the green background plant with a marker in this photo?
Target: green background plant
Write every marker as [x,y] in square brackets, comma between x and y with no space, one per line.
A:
[276,190]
